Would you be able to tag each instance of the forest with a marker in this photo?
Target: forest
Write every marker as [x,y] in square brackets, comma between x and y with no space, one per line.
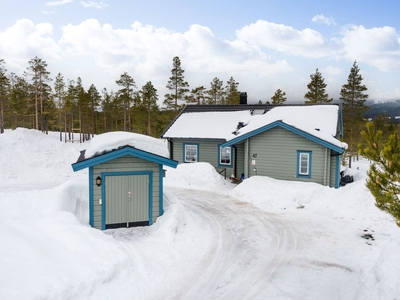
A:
[35,100]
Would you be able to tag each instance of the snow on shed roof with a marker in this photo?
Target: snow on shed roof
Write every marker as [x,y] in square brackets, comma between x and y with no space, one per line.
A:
[318,120]
[113,140]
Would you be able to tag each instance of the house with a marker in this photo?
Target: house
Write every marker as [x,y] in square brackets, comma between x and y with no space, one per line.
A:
[125,179]
[287,142]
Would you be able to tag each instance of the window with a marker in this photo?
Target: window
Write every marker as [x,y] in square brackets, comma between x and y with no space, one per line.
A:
[225,156]
[304,164]
[191,153]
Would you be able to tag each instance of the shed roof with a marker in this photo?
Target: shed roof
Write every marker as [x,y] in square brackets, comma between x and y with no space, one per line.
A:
[229,123]
[83,162]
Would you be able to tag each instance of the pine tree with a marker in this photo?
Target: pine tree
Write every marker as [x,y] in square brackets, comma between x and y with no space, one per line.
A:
[4,84]
[126,94]
[197,96]
[59,96]
[37,68]
[149,102]
[316,90]
[177,85]
[231,91]
[384,174]
[216,93]
[353,97]
[278,98]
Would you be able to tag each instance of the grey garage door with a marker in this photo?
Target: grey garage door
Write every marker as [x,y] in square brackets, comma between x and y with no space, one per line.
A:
[127,200]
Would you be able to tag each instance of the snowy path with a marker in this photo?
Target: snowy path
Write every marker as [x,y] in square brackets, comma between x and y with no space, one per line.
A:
[249,247]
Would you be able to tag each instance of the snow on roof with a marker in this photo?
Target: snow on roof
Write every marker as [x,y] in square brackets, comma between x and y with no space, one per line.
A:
[113,140]
[318,120]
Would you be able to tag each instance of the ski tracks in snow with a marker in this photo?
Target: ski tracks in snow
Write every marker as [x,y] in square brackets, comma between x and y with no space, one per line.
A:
[248,248]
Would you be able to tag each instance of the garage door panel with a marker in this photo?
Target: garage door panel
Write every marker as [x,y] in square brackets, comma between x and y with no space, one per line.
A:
[127,199]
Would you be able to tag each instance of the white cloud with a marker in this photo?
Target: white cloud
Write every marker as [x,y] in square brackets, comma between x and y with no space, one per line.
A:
[25,40]
[324,20]
[149,49]
[286,39]
[94,4]
[58,3]
[379,47]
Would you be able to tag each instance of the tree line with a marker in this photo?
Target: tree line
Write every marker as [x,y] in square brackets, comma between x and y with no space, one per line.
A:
[34,100]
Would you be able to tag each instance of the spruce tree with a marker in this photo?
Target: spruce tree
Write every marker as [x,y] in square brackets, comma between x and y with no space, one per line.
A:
[177,85]
[278,98]
[353,98]
[316,90]
[384,174]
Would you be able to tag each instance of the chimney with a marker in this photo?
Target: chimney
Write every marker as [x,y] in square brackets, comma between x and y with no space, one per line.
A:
[243,98]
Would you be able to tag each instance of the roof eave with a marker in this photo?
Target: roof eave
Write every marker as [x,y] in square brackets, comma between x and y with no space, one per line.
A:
[90,162]
[287,127]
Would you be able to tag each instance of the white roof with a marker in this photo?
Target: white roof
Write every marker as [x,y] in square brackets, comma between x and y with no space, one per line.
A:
[113,140]
[318,120]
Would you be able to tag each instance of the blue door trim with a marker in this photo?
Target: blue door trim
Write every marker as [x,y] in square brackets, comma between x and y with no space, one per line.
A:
[103,193]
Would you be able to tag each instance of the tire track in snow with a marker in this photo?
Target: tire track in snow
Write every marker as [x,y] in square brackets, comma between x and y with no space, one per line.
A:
[248,249]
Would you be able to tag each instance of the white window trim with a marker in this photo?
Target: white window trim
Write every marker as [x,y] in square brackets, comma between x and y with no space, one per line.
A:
[220,156]
[196,156]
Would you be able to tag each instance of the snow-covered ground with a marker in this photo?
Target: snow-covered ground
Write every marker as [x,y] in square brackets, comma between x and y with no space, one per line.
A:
[262,239]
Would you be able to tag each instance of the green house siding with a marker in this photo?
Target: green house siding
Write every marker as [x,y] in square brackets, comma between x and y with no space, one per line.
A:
[130,165]
[207,151]
[276,155]
[239,160]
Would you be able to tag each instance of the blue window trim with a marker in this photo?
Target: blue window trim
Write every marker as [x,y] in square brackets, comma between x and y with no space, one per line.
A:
[219,157]
[184,152]
[103,193]
[299,152]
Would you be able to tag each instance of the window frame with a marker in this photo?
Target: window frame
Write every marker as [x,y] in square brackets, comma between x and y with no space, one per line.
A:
[184,152]
[300,154]
[220,164]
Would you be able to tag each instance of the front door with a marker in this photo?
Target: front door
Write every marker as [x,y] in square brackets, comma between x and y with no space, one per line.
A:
[126,200]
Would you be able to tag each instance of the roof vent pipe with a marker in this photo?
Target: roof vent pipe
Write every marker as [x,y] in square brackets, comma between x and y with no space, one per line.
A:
[243,98]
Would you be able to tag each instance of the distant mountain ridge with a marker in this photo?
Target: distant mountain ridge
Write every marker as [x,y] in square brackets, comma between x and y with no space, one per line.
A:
[391,109]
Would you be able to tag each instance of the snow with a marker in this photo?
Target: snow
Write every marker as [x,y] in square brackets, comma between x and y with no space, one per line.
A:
[318,120]
[113,140]
[261,239]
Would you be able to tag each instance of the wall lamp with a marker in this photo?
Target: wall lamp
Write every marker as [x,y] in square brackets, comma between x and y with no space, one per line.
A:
[98,181]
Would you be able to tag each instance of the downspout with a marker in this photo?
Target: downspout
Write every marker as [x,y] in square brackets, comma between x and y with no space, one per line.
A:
[171,148]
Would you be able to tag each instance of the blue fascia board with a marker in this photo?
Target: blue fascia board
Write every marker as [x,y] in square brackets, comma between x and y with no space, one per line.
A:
[90,162]
[287,127]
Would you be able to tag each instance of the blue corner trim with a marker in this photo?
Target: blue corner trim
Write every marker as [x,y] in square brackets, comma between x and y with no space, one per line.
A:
[90,162]
[91,200]
[337,171]
[287,127]
[309,164]
[161,191]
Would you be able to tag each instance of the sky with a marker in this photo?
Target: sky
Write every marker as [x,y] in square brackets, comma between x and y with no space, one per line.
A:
[260,239]
[264,45]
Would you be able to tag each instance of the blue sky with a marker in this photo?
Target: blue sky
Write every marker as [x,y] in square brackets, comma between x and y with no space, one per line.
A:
[264,45]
